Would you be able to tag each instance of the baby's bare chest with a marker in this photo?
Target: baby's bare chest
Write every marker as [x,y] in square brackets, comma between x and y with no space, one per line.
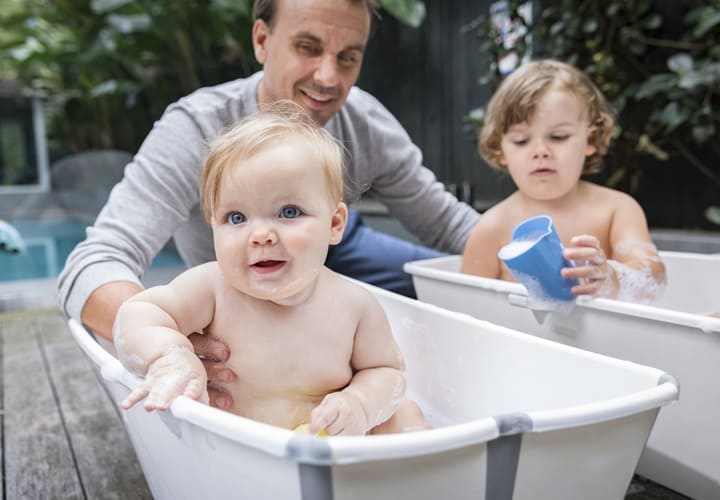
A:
[291,353]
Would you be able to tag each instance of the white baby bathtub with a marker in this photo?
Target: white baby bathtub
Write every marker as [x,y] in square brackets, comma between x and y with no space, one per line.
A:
[675,334]
[516,417]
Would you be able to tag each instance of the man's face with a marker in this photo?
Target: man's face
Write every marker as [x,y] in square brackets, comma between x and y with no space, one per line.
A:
[312,54]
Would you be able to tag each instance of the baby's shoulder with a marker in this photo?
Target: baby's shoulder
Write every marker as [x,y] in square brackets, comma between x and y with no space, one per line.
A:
[497,222]
[496,217]
[609,195]
[354,295]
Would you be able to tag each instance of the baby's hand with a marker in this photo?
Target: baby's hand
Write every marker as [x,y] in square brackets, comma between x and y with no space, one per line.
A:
[591,267]
[178,373]
[339,413]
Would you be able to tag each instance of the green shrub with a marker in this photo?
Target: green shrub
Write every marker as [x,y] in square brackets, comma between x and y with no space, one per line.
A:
[658,62]
[108,68]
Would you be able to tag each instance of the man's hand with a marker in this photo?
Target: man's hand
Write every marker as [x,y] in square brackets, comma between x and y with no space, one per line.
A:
[213,353]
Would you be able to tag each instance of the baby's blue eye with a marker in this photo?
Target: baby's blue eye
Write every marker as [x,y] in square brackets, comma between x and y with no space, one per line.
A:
[290,212]
[236,218]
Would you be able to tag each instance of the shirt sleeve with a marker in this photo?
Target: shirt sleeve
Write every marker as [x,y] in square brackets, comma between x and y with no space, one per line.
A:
[157,193]
[409,190]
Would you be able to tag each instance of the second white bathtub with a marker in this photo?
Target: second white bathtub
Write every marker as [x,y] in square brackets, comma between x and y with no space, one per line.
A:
[674,334]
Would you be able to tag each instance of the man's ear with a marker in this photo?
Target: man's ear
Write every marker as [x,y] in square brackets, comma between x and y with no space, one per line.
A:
[260,32]
[338,222]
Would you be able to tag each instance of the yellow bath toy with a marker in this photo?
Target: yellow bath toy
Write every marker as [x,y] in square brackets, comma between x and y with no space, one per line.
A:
[304,429]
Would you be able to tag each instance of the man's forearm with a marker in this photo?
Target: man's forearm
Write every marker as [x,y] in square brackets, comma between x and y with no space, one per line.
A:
[102,305]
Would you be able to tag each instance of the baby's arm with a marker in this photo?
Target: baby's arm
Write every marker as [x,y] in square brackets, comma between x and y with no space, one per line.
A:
[151,330]
[634,271]
[378,384]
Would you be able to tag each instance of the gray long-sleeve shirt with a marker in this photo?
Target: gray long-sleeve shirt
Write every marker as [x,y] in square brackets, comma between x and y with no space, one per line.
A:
[158,197]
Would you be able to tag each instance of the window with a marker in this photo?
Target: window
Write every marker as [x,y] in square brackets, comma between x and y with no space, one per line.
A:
[23,148]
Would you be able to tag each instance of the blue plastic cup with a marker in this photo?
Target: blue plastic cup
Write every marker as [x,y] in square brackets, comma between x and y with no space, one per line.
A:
[534,257]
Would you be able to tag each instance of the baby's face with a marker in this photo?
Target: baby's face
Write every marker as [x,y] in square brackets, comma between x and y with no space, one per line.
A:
[274,221]
[545,156]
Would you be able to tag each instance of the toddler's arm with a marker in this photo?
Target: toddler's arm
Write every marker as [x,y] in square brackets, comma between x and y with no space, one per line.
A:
[150,335]
[634,271]
[378,384]
[480,253]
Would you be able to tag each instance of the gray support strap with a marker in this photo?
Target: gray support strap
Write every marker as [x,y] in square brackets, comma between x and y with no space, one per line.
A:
[315,482]
[314,457]
[503,455]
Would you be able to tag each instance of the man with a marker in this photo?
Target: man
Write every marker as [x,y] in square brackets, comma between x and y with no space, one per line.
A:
[311,52]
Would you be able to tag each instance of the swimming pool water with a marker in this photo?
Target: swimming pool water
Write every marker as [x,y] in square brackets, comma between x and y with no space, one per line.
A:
[49,242]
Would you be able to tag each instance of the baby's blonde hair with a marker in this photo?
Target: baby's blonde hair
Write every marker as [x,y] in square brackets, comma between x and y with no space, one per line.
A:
[272,124]
[517,98]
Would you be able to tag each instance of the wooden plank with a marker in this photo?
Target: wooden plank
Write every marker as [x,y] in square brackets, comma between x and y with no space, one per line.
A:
[106,461]
[38,460]
[2,410]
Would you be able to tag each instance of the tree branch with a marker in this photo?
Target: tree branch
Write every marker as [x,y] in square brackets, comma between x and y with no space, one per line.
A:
[696,162]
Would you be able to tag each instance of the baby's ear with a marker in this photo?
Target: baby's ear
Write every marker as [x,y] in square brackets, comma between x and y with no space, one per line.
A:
[338,222]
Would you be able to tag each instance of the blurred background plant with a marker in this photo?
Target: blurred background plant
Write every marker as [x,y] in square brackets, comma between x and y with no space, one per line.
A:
[658,62]
[107,69]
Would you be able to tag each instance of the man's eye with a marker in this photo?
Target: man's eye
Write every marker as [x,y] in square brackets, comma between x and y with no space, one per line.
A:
[349,60]
[290,212]
[236,218]
[308,49]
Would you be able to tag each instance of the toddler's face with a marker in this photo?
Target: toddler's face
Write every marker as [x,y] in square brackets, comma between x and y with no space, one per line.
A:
[545,156]
[274,220]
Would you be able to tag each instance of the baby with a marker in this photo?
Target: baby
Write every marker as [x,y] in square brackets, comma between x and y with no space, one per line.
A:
[548,124]
[308,346]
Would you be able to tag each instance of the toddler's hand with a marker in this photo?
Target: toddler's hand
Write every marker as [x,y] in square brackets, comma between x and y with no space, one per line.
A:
[178,373]
[339,413]
[591,267]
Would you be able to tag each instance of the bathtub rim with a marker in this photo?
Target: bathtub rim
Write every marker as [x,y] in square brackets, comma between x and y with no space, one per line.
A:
[517,293]
[340,450]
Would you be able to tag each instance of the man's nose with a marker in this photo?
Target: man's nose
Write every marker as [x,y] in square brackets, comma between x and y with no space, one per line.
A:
[326,73]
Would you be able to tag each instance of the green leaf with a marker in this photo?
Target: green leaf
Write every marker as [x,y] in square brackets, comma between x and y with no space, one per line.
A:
[706,22]
[680,63]
[673,116]
[410,12]
[690,80]
[129,24]
[653,21]
[656,84]
[712,213]
[702,133]
[590,26]
[103,6]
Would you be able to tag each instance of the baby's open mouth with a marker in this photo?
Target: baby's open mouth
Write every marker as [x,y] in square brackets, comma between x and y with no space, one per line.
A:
[268,263]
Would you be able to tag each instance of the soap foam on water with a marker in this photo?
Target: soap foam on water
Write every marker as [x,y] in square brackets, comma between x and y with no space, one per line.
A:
[515,248]
[538,299]
[636,285]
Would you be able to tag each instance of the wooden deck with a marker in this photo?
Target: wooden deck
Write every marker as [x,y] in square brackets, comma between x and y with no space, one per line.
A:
[62,435]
